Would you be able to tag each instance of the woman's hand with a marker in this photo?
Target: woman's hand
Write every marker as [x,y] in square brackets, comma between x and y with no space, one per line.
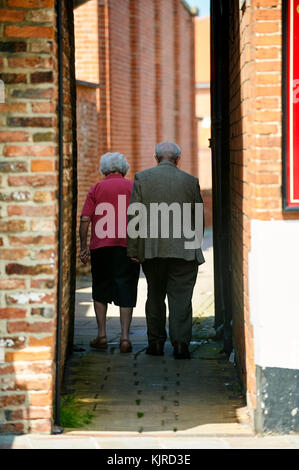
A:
[135,260]
[83,255]
[83,231]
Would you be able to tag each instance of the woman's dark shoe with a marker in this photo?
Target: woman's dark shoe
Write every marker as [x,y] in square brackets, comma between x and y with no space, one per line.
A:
[181,350]
[155,348]
[99,343]
[125,346]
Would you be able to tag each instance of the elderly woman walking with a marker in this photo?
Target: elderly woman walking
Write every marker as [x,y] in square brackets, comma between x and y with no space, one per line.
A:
[114,275]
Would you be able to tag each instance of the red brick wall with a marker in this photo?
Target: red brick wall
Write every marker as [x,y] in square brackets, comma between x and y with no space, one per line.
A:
[264,150]
[146,87]
[120,80]
[165,85]
[147,77]
[186,94]
[87,65]
[255,149]
[241,107]
[87,138]
[86,41]
[29,186]
[28,223]
[208,205]
[88,149]
[69,183]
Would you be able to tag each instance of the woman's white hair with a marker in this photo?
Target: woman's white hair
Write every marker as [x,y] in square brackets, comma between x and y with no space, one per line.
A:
[112,162]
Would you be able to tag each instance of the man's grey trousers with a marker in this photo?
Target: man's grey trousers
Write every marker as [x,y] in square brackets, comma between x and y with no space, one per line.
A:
[175,278]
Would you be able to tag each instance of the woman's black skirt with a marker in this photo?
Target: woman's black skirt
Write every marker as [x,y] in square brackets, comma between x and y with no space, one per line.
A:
[114,276]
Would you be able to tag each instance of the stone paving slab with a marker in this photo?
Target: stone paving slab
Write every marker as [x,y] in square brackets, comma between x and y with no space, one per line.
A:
[149,441]
[170,394]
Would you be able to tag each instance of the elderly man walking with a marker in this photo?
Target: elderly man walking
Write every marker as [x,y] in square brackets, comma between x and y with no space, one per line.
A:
[169,263]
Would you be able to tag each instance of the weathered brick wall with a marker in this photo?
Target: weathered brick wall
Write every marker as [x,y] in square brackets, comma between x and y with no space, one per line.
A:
[69,190]
[146,133]
[121,106]
[186,129]
[238,138]
[29,185]
[87,138]
[265,152]
[255,149]
[29,214]
[88,149]
[165,85]
[208,205]
[86,27]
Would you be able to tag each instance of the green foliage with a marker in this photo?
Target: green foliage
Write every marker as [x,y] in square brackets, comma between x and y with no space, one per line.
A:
[71,413]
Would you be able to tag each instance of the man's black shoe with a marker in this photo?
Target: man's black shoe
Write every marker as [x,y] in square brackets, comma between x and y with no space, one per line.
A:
[155,348]
[181,350]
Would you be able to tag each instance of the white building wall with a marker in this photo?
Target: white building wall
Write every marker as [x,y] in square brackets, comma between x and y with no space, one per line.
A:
[274,292]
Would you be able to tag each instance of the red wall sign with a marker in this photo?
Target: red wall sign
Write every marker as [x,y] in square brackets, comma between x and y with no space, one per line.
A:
[291,104]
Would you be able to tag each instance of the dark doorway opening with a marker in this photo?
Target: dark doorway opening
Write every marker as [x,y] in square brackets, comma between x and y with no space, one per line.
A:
[221,170]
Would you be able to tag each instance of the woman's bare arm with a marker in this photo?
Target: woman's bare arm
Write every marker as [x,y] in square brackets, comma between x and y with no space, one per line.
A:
[83,232]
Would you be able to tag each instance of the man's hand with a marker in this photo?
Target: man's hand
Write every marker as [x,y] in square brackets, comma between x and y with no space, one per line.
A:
[83,255]
[135,260]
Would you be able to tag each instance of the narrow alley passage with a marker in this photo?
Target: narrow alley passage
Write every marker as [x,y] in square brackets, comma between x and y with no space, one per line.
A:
[137,393]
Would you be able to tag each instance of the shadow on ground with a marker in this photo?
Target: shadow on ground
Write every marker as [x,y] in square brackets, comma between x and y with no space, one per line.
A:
[140,393]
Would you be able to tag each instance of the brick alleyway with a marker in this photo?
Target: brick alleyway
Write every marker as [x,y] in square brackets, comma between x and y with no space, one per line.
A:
[141,393]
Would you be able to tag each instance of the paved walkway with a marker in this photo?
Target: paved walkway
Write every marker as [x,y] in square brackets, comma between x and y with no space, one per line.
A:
[141,393]
[148,441]
[139,401]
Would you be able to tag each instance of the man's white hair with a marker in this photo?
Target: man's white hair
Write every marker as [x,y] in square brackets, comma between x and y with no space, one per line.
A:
[168,150]
[112,162]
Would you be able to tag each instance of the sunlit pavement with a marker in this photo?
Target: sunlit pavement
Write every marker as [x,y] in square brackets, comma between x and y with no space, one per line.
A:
[140,401]
[140,393]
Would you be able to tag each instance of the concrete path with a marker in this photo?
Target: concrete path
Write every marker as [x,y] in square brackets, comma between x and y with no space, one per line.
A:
[136,401]
[140,393]
[149,441]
